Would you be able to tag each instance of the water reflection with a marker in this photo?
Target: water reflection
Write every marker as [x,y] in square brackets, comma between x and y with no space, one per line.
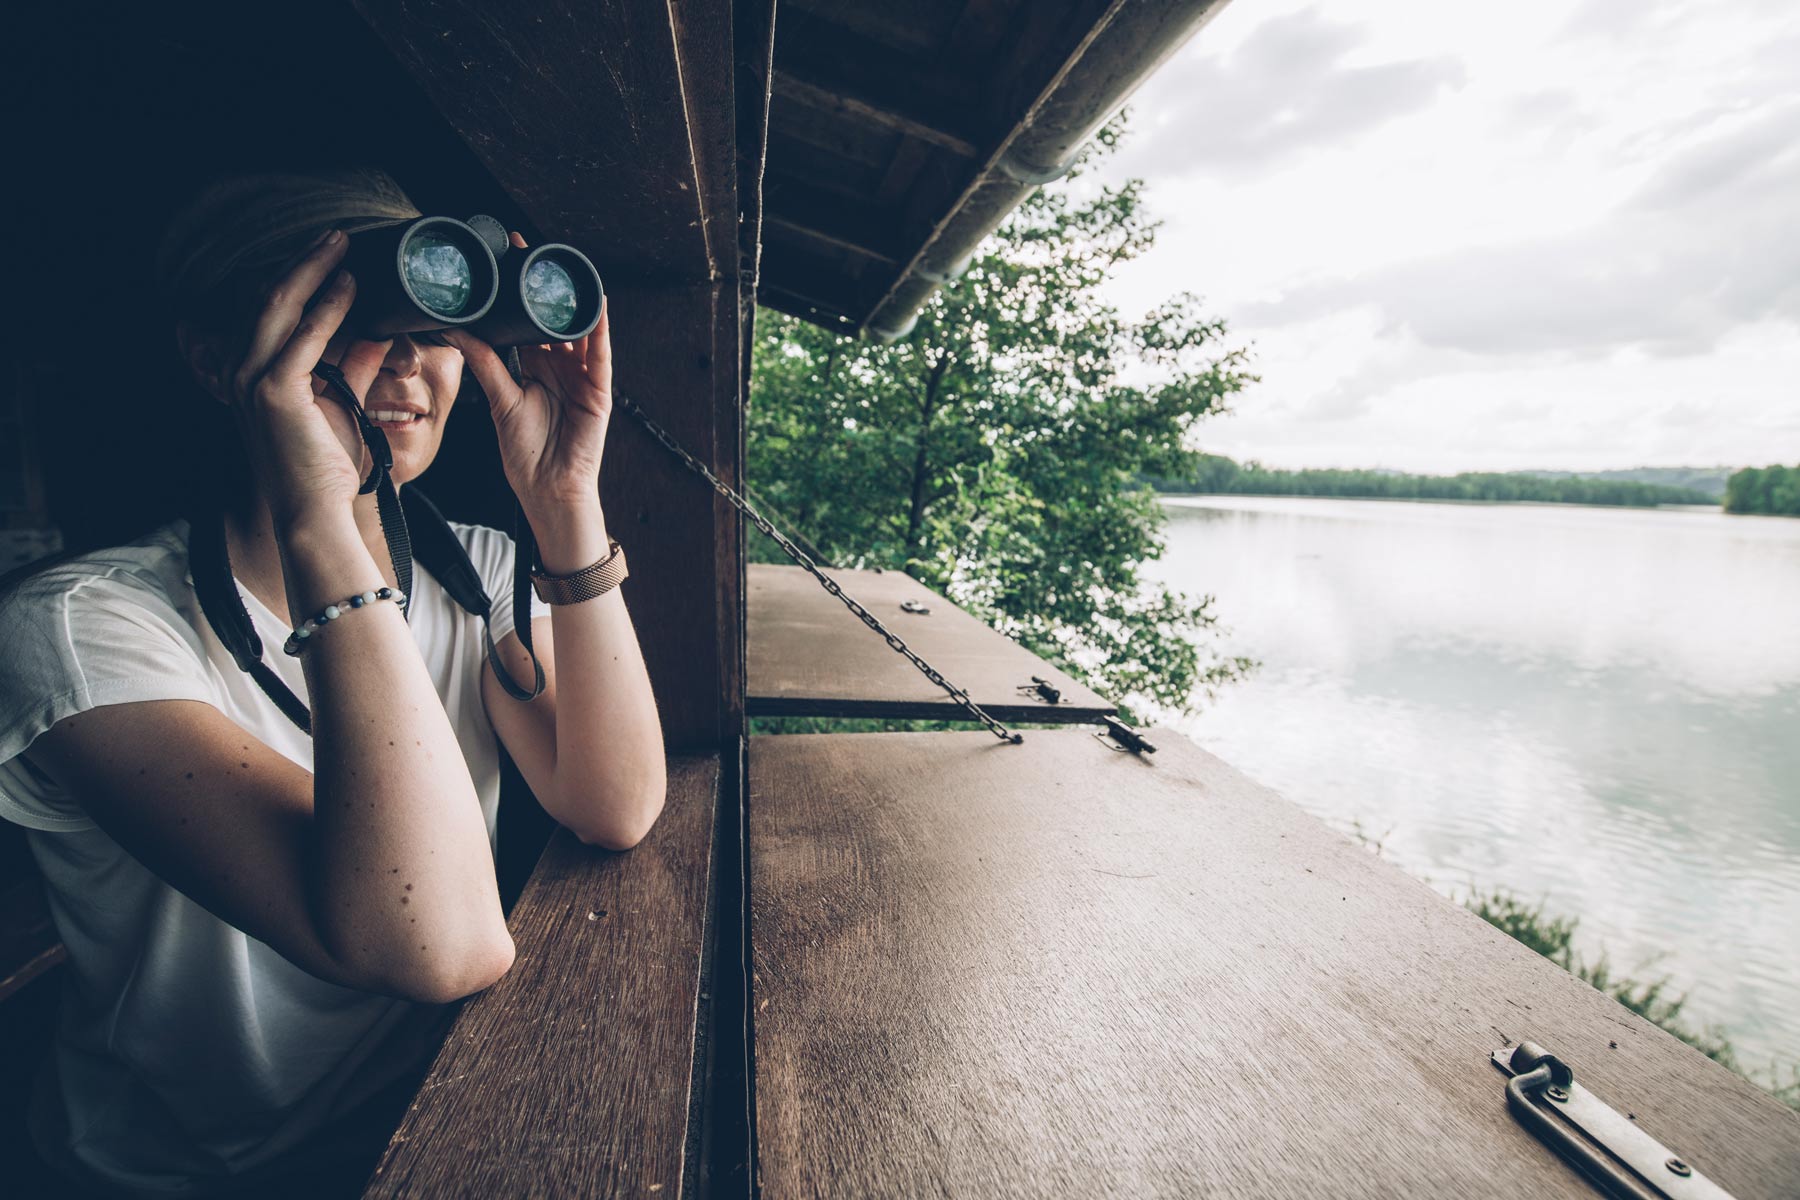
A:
[1593,706]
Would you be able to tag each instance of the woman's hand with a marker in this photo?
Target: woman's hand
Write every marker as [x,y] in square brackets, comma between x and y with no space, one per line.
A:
[306,450]
[552,423]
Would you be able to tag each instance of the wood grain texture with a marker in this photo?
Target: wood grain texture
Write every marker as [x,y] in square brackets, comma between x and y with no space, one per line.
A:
[1054,969]
[579,111]
[683,591]
[571,1076]
[811,656]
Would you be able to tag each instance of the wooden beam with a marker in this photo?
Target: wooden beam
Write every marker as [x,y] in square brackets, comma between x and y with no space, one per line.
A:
[707,53]
[806,212]
[795,303]
[571,1076]
[889,113]
[794,306]
[675,355]
[1058,969]
[848,243]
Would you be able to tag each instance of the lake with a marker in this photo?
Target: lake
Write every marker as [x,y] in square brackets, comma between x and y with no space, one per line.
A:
[1598,708]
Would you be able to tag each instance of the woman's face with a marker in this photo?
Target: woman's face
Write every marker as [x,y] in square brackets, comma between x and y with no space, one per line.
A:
[411,397]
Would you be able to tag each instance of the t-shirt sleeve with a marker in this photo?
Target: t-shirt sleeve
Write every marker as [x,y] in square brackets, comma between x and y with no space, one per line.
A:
[492,551]
[74,642]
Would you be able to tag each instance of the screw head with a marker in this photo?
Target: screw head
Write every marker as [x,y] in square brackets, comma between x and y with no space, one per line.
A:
[1680,1168]
[1559,1095]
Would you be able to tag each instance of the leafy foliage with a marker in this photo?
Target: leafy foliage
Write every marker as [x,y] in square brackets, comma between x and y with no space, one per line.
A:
[1215,474]
[1770,490]
[993,453]
[1554,938]
[1534,927]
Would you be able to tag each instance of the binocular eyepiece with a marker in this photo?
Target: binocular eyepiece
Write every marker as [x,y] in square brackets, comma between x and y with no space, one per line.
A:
[440,273]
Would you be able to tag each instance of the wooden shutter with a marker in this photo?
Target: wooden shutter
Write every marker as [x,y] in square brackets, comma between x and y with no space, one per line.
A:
[808,655]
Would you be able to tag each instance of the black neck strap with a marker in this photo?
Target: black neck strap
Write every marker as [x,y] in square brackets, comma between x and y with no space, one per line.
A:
[223,606]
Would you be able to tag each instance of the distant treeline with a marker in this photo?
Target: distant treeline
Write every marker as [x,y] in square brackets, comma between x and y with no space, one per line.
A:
[1218,475]
[1774,490]
[1710,480]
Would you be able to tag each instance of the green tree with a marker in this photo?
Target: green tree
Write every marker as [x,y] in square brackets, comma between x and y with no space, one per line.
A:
[995,452]
[1771,490]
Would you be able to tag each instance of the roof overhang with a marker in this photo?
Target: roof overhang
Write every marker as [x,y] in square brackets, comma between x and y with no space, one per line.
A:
[901,136]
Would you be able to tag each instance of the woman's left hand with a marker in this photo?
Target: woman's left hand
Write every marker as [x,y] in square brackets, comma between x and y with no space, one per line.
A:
[552,422]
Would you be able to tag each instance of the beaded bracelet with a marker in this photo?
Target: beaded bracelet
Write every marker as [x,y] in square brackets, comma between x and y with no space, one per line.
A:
[297,639]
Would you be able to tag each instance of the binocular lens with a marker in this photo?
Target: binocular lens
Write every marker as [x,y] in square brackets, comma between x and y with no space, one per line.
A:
[439,274]
[550,295]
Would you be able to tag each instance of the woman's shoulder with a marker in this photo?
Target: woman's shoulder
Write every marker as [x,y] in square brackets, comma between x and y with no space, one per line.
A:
[150,569]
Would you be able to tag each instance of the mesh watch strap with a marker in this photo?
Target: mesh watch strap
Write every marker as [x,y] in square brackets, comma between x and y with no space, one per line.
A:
[585,584]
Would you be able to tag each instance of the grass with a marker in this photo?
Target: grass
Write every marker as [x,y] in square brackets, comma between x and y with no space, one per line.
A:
[1553,936]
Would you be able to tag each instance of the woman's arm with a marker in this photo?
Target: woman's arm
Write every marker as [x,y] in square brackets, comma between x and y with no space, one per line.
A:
[375,872]
[591,745]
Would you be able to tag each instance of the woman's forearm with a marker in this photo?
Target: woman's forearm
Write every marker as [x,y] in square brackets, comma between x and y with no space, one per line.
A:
[610,774]
[402,874]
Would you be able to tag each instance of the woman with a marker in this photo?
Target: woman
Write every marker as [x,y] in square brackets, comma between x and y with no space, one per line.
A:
[263,928]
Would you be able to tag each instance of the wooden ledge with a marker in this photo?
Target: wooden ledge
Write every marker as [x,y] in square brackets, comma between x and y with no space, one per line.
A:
[1054,969]
[571,1076]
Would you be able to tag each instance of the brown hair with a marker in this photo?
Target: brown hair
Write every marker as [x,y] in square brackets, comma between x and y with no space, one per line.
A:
[222,251]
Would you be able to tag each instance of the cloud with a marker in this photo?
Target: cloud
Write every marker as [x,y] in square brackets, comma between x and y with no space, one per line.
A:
[1704,246]
[1287,89]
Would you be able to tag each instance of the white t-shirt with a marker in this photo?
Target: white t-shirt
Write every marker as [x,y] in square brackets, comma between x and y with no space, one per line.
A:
[187,1049]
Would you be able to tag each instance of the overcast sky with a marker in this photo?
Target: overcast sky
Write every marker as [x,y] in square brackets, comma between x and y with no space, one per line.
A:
[1547,233]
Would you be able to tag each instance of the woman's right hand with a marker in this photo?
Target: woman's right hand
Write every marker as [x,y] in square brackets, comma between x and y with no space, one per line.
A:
[306,450]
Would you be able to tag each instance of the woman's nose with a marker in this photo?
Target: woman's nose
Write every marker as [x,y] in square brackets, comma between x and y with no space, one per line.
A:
[403,358]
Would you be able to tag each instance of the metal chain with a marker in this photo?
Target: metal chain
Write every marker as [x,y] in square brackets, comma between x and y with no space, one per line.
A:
[825,581]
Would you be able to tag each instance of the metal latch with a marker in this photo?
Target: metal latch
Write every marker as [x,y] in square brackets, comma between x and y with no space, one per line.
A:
[1128,739]
[913,606]
[1611,1150]
[1042,688]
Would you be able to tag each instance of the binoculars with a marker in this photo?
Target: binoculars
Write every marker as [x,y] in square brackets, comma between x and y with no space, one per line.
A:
[440,273]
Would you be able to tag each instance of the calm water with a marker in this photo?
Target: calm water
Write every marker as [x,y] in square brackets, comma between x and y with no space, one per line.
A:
[1599,708]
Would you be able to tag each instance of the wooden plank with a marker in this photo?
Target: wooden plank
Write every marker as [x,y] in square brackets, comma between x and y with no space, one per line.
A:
[570,1077]
[708,55]
[818,312]
[812,212]
[916,27]
[810,656]
[1054,969]
[889,112]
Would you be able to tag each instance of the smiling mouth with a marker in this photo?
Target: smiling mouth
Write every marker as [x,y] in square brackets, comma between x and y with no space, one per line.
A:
[394,418]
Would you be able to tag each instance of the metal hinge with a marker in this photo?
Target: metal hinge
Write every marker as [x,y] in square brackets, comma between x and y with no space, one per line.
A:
[1611,1150]
[1042,688]
[1128,739]
[913,606]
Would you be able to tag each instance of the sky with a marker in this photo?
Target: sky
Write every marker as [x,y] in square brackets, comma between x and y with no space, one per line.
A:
[1544,234]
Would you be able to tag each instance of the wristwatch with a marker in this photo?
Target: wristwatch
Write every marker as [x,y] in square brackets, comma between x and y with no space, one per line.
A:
[594,580]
